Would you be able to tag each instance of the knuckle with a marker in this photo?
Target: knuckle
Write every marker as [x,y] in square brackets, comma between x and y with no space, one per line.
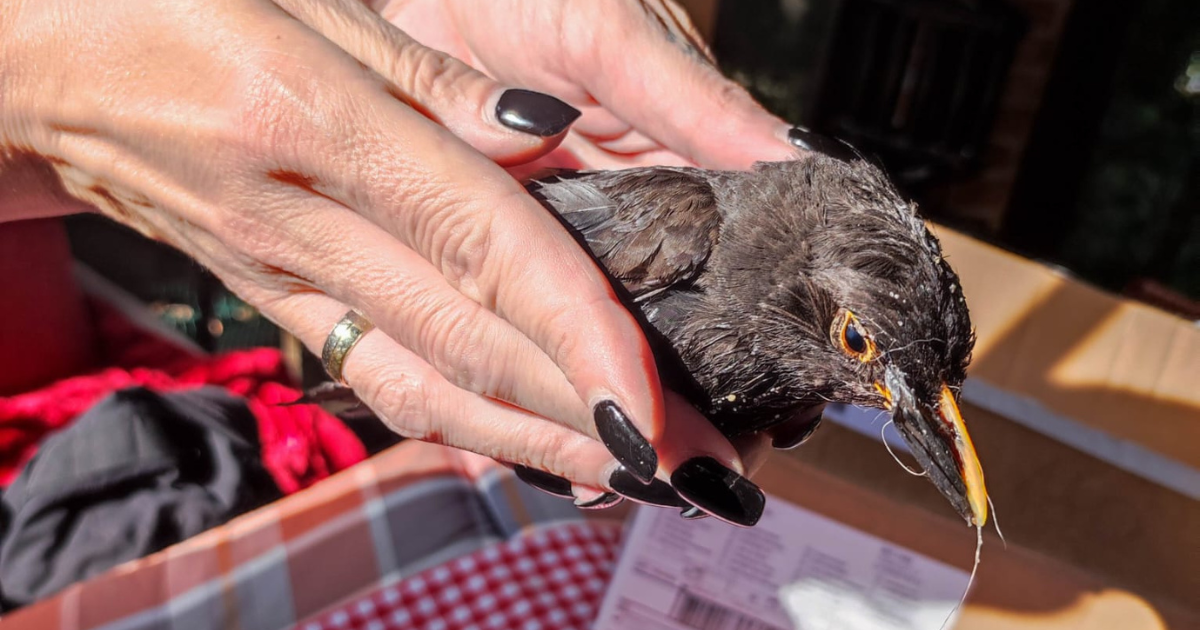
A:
[459,341]
[427,74]
[274,118]
[443,330]
[466,247]
[562,328]
[265,248]
[402,401]
[550,451]
[446,332]
[262,116]
[731,97]
[456,236]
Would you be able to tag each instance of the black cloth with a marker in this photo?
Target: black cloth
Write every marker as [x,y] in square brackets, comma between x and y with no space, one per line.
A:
[138,472]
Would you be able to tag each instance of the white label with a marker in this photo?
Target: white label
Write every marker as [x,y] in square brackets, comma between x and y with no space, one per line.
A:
[794,570]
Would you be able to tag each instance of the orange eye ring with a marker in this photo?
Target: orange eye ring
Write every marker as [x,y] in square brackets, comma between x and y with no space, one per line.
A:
[854,340]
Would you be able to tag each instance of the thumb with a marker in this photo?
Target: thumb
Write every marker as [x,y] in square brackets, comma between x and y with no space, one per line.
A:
[665,86]
[509,125]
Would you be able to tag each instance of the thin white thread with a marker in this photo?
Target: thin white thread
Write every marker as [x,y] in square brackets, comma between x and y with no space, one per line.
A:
[889,450]
[996,522]
[970,580]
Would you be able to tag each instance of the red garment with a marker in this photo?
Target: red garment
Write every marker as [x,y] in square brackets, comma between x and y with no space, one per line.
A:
[300,444]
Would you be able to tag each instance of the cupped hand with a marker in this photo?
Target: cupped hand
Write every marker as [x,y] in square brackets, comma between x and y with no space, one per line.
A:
[640,73]
[318,159]
[638,70]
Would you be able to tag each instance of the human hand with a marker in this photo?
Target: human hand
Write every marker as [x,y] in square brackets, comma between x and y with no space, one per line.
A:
[637,69]
[317,160]
[644,79]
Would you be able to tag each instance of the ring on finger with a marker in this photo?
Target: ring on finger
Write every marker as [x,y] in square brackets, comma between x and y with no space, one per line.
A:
[344,336]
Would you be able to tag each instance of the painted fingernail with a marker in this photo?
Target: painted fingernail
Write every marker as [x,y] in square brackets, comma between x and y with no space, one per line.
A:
[606,500]
[721,492]
[624,441]
[794,436]
[803,138]
[693,514]
[544,481]
[657,492]
[535,113]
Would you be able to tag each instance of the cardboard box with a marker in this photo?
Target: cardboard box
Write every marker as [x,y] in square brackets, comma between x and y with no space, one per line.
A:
[1016,588]
[1126,369]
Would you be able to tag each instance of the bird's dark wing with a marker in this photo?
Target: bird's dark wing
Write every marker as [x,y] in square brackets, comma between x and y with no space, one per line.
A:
[651,228]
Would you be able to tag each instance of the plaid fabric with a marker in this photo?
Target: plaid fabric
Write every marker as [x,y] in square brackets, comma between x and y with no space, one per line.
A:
[552,579]
[402,513]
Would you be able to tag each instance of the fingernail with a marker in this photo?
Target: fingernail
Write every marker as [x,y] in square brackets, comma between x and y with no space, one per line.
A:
[795,436]
[544,481]
[693,514]
[534,112]
[657,492]
[624,441]
[802,138]
[606,500]
[708,485]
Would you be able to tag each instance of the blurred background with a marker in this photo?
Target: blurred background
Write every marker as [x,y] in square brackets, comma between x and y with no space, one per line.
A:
[1063,130]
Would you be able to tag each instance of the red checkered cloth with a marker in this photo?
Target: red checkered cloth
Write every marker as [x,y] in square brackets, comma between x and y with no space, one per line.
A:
[551,579]
[412,512]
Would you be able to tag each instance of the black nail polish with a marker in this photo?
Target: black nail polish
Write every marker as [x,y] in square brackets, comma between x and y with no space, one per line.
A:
[606,500]
[794,436]
[544,481]
[624,441]
[657,492]
[534,112]
[802,138]
[693,514]
[708,485]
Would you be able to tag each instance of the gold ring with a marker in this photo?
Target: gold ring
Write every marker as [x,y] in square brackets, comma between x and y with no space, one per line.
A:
[345,334]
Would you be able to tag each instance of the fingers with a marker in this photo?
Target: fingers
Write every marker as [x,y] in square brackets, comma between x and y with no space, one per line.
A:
[475,224]
[706,469]
[473,246]
[641,60]
[663,85]
[508,125]
[410,301]
[417,402]
[619,155]
[708,474]
[292,110]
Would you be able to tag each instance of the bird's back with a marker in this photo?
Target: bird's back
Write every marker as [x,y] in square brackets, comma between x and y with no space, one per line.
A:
[738,276]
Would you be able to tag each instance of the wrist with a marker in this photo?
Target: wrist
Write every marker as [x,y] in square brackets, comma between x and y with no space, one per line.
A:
[31,188]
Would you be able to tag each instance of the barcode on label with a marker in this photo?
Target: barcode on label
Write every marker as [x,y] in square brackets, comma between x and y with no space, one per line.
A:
[702,613]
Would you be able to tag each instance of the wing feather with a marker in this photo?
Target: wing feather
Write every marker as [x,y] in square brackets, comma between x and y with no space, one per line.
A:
[651,228]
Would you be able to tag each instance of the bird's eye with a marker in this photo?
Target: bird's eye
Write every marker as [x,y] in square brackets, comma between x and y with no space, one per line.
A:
[853,340]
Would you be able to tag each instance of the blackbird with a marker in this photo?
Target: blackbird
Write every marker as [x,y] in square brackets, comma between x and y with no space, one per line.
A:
[769,293]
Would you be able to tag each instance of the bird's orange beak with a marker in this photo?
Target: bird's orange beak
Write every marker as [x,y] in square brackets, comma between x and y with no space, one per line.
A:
[938,438]
[968,462]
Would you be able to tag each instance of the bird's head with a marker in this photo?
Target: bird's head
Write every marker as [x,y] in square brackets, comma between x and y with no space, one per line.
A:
[873,314]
